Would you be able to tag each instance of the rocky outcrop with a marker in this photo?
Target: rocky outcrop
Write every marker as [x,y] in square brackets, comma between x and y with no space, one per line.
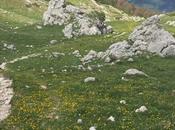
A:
[149,37]
[6,94]
[75,20]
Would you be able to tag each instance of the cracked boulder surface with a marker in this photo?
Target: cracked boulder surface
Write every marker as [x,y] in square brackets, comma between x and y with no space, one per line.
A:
[77,21]
[6,94]
[149,37]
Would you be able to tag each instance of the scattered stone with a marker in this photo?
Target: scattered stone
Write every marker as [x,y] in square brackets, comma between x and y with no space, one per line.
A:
[39,27]
[89,79]
[79,121]
[131,60]
[141,93]
[92,55]
[26,86]
[53,41]
[131,72]
[64,70]
[9,46]
[89,68]
[123,102]
[141,109]
[81,67]
[107,60]
[124,79]
[3,66]
[56,54]
[76,53]
[92,128]
[56,117]
[43,87]
[111,118]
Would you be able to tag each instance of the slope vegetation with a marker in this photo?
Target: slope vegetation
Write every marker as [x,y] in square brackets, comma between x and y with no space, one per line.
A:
[49,89]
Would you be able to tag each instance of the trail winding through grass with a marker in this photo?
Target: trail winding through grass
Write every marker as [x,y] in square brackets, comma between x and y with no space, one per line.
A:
[3,65]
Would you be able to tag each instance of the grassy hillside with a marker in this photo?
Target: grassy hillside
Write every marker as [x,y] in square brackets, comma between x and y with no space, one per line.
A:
[66,97]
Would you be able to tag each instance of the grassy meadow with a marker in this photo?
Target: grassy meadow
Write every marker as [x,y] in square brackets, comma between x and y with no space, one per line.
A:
[67,98]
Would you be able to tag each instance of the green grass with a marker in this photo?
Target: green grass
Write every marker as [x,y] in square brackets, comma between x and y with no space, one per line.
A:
[61,104]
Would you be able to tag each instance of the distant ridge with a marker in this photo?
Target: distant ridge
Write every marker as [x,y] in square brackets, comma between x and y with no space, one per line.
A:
[160,5]
[129,7]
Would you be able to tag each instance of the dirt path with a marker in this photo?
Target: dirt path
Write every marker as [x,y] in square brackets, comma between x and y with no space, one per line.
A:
[3,65]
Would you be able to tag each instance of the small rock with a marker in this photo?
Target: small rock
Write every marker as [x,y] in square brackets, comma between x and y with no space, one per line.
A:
[92,128]
[27,86]
[107,60]
[123,102]
[43,87]
[3,66]
[131,72]
[141,109]
[90,56]
[63,82]
[89,68]
[89,79]
[124,79]
[76,53]
[79,121]
[131,60]
[111,118]
[56,117]
[53,41]
[39,27]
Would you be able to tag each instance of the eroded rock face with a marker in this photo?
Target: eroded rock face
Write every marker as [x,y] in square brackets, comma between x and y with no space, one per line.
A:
[120,50]
[149,37]
[76,21]
[6,94]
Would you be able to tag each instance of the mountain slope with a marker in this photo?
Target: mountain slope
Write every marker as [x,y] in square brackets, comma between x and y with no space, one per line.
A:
[49,89]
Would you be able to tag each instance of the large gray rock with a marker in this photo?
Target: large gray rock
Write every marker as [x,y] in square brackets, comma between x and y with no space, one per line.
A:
[148,37]
[6,93]
[76,21]
[120,50]
[151,37]
[89,57]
